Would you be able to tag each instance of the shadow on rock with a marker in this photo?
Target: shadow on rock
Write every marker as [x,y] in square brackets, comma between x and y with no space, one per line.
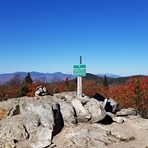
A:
[107,120]
[58,120]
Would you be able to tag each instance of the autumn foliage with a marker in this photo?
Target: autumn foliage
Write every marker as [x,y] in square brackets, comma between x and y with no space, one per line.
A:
[133,93]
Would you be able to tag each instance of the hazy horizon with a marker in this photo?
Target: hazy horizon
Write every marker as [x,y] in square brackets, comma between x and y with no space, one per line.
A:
[71,73]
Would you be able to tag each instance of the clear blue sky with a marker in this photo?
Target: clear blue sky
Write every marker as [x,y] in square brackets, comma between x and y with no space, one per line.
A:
[51,35]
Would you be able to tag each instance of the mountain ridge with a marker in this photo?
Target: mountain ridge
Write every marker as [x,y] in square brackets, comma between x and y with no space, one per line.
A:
[59,76]
[110,75]
[45,77]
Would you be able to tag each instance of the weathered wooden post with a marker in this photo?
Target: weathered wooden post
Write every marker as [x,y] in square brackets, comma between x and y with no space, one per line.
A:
[79,71]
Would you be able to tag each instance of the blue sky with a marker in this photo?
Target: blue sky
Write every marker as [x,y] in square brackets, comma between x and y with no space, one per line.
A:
[51,35]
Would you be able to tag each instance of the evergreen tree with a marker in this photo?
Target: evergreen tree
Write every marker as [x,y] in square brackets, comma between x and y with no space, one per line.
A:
[66,81]
[105,82]
[56,90]
[71,87]
[28,79]
[24,90]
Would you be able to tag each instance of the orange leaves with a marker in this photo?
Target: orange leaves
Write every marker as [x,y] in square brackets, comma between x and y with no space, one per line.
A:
[90,88]
[133,94]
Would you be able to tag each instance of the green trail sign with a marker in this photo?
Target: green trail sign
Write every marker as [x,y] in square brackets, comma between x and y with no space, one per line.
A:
[79,70]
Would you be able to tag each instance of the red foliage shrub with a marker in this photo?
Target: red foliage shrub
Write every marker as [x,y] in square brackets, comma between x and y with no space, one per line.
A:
[133,94]
[90,87]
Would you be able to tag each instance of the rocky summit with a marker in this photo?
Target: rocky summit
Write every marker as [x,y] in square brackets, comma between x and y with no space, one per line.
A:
[64,121]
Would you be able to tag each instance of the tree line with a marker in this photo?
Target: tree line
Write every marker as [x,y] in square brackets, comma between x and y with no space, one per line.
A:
[132,93]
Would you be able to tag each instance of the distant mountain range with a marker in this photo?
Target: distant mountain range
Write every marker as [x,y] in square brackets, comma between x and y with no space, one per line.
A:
[59,76]
[109,75]
[44,77]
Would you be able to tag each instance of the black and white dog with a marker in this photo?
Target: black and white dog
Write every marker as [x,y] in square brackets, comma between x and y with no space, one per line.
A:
[110,105]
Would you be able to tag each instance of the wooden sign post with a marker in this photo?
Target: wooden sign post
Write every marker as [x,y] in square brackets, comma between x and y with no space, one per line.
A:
[79,71]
